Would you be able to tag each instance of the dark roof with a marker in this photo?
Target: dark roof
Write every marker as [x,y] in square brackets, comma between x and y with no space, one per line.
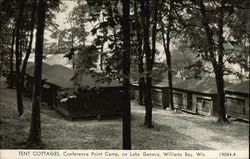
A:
[30,69]
[60,75]
[207,85]
[243,87]
[164,82]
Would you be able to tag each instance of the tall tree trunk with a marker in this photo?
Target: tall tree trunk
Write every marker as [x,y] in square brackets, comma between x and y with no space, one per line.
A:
[11,58]
[149,59]
[147,97]
[218,66]
[1,42]
[1,46]
[126,74]
[154,32]
[35,128]
[102,46]
[248,37]
[166,43]
[17,53]
[139,51]
[220,69]
[28,52]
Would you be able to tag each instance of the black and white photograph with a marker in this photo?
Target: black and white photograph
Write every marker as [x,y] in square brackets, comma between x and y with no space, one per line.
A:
[156,79]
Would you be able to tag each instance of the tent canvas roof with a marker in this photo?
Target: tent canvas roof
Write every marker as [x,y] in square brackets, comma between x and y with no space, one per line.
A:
[60,75]
[30,69]
[164,82]
[207,85]
[243,87]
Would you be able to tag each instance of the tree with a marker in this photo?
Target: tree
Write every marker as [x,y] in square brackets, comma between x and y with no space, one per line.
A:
[209,31]
[1,42]
[105,17]
[7,14]
[126,75]
[11,58]
[139,51]
[18,55]
[149,56]
[166,45]
[186,65]
[35,128]
[28,51]
[218,66]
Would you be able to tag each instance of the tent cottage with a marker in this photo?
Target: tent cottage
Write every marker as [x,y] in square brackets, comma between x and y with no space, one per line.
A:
[160,92]
[88,95]
[93,97]
[237,101]
[197,96]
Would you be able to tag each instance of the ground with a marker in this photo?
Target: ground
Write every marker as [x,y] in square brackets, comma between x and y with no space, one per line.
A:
[172,130]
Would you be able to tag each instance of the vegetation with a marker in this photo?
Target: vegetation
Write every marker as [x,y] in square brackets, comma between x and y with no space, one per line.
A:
[210,36]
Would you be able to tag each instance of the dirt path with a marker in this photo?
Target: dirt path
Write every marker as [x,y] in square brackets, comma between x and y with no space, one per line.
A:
[172,130]
[203,129]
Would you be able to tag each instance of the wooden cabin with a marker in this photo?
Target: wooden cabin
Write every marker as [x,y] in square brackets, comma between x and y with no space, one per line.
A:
[197,96]
[237,101]
[160,93]
[86,96]
[92,98]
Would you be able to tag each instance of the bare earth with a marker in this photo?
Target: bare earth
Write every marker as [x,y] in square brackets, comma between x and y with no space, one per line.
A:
[172,130]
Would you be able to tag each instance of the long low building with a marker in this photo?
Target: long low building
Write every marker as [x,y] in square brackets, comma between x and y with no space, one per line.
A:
[160,92]
[198,96]
[193,95]
[86,95]
[237,101]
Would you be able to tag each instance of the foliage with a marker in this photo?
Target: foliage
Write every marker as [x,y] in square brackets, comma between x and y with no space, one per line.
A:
[106,19]
[235,34]
[86,58]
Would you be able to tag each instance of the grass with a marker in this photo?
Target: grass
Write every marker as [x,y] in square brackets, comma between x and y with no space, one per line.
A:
[172,130]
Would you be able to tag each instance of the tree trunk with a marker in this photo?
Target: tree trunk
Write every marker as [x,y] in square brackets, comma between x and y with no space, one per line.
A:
[166,43]
[126,74]
[149,59]
[140,52]
[1,43]
[220,72]
[102,46]
[35,128]
[27,55]
[11,58]
[18,62]
[141,87]
[218,66]
[248,38]
[154,33]
[1,46]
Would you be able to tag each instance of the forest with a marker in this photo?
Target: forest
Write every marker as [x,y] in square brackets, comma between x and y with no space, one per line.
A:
[118,51]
